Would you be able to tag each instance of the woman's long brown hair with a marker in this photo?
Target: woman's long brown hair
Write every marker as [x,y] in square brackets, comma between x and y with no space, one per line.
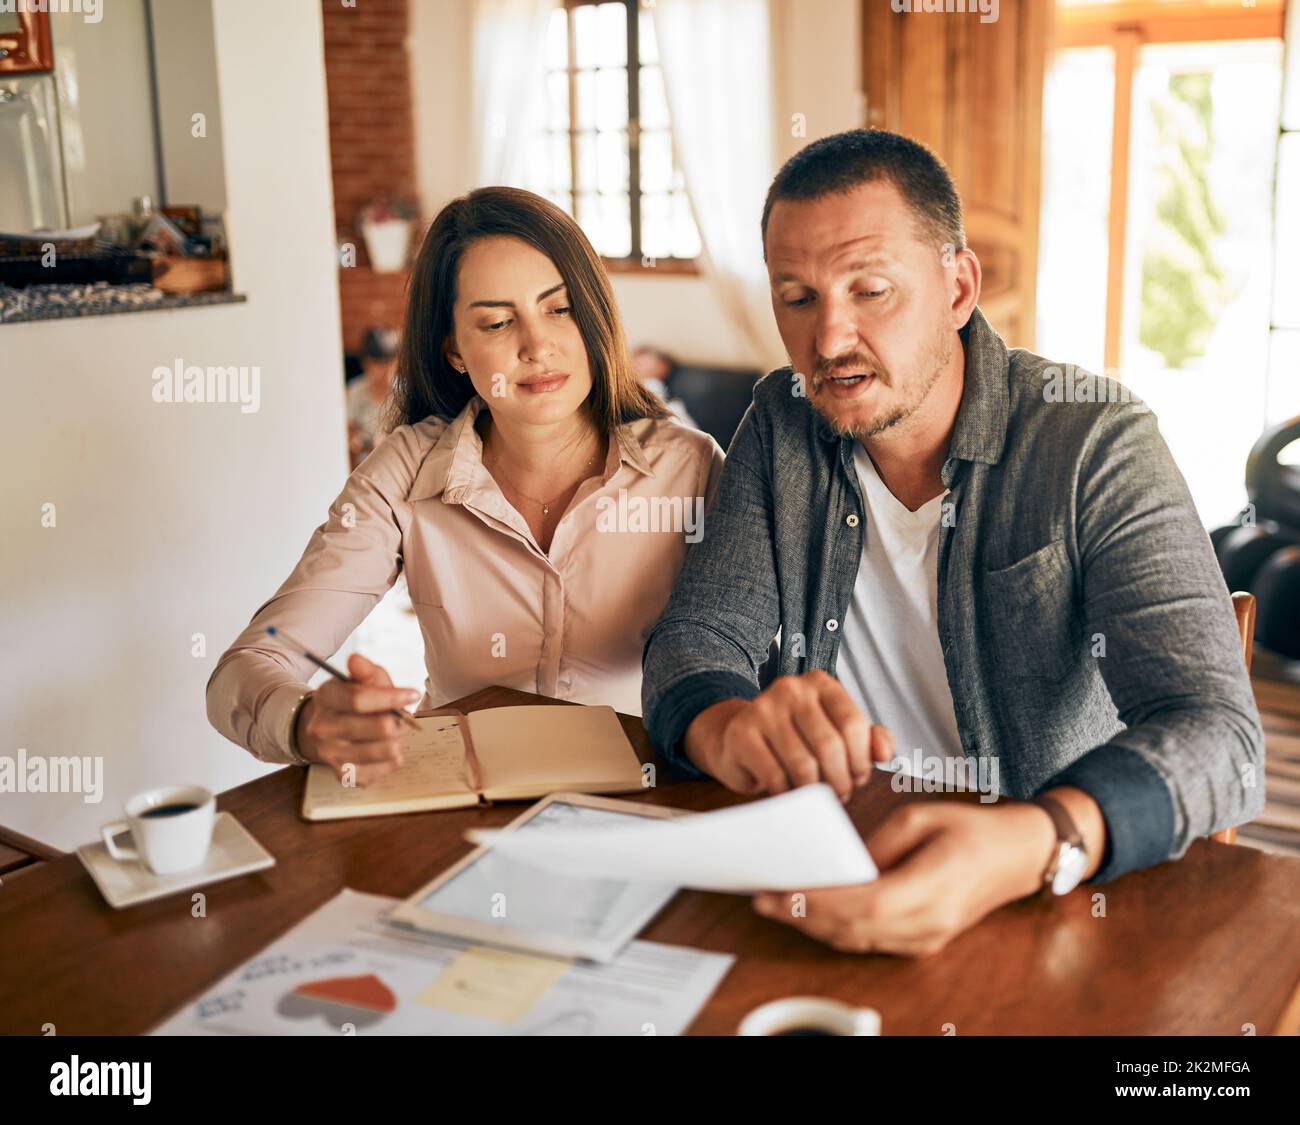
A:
[425,383]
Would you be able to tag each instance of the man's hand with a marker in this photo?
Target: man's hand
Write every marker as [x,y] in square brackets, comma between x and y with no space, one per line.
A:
[943,865]
[801,730]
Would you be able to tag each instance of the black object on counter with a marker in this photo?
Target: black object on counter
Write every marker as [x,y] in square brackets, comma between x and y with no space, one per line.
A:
[106,262]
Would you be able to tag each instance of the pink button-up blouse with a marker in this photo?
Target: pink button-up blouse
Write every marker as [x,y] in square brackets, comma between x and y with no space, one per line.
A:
[493,607]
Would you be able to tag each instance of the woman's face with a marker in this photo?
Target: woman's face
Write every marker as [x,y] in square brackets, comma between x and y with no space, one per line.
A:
[515,334]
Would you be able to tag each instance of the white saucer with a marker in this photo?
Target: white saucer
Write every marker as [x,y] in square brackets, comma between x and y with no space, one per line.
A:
[233,852]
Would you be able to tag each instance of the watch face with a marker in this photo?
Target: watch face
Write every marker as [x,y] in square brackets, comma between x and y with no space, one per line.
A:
[1070,870]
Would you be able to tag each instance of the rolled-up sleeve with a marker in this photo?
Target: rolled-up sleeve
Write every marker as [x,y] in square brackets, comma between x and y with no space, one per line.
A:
[350,562]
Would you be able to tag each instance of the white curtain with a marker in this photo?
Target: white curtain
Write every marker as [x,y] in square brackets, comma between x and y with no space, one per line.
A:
[509,56]
[716,60]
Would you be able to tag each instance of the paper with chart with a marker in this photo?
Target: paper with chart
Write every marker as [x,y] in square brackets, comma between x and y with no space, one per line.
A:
[795,841]
[342,971]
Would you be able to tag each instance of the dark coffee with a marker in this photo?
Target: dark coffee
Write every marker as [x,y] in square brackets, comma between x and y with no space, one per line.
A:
[168,810]
[803,1031]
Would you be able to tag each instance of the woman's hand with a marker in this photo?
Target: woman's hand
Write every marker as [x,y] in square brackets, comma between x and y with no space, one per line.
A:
[347,725]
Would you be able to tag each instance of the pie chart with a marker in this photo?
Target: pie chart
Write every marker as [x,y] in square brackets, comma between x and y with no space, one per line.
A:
[361,1001]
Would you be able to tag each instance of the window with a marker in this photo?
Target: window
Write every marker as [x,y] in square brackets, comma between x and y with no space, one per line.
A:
[606,156]
[1160,134]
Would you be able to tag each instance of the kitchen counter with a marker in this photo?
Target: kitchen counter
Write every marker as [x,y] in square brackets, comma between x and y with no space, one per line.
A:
[61,302]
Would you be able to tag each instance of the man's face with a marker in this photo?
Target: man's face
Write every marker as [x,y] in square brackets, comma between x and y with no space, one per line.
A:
[379,373]
[864,303]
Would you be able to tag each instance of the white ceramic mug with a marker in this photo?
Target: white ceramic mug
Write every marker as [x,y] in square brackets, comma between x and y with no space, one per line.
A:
[165,842]
[809,1015]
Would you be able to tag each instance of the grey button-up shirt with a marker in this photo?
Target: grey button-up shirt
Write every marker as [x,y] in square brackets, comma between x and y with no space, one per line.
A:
[1087,633]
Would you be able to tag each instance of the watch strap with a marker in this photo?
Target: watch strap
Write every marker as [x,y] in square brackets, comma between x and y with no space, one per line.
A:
[1066,833]
[1065,826]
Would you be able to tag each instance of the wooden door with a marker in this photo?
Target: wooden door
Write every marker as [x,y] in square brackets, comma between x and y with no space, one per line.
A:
[972,91]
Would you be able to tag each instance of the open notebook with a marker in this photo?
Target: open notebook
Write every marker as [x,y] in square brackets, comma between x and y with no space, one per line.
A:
[521,752]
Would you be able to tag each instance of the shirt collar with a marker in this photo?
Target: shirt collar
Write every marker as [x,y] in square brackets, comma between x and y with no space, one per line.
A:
[449,467]
[980,430]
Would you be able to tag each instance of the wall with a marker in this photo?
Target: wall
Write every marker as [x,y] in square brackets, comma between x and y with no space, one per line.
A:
[173,520]
[439,47]
[372,147]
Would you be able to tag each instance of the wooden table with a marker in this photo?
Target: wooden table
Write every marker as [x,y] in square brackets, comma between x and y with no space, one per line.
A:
[1201,946]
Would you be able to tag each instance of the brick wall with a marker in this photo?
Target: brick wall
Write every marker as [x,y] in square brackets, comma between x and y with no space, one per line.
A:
[372,145]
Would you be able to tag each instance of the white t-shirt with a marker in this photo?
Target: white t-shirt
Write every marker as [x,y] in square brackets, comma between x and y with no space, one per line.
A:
[890,660]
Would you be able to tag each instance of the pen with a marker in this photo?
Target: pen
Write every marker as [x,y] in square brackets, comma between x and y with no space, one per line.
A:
[273,631]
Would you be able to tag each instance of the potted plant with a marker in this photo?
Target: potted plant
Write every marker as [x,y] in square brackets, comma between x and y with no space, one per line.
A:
[385,224]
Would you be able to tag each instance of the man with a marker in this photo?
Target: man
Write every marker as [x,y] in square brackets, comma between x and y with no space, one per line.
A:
[368,396]
[952,546]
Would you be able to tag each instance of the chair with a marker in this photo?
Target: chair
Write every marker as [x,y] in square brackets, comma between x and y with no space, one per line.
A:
[1243,606]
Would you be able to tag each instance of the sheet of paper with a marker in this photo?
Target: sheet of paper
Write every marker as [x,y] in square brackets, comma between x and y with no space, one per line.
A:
[433,762]
[795,841]
[342,971]
[493,983]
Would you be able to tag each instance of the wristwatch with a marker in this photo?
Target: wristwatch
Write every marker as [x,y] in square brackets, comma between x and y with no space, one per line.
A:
[1070,860]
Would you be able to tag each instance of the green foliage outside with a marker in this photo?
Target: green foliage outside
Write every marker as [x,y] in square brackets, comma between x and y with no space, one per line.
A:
[1184,289]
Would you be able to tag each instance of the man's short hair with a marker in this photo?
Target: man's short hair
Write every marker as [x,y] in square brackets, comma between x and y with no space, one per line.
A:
[842,162]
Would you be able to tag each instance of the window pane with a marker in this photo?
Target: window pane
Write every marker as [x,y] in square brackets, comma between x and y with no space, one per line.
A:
[656,162]
[1078,107]
[585,81]
[1198,256]
[586,47]
[1198,263]
[1291,90]
[656,226]
[557,41]
[616,226]
[587,162]
[648,45]
[654,100]
[612,23]
[1283,400]
[611,153]
[667,227]
[686,236]
[1286,238]
[606,222]
[611,99]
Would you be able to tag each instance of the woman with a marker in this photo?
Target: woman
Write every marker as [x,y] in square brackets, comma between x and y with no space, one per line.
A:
[524,491]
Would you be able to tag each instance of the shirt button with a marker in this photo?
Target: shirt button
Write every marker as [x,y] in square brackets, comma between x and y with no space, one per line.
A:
[832,625]
[851,520]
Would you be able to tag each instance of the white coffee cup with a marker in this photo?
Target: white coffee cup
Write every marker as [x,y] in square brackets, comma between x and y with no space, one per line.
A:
[165,842]
[810,1015]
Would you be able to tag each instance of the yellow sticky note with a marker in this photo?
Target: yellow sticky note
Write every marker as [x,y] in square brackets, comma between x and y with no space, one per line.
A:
[493,984]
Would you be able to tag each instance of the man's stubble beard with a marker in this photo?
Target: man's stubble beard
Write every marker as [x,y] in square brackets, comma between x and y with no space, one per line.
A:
[935,359]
